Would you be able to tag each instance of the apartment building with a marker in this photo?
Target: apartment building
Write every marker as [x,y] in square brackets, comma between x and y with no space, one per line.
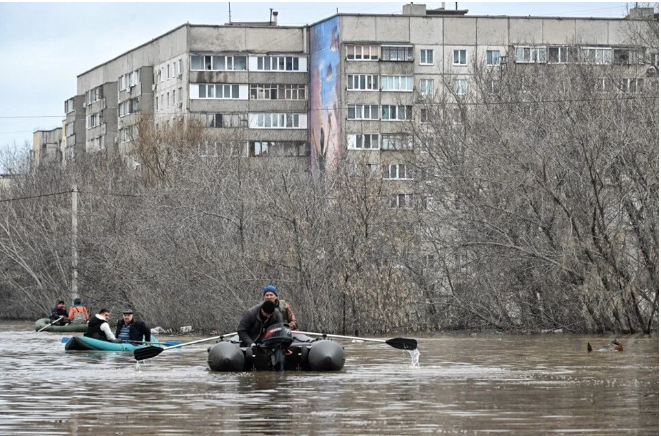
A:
[46,147]
[346,86]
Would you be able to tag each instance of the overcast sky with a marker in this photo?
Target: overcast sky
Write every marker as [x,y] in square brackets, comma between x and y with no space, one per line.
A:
[44,46]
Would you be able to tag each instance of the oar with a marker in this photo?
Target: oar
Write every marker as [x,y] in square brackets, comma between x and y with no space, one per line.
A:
[52,322]
[151,351]
[399,343]
[65,339]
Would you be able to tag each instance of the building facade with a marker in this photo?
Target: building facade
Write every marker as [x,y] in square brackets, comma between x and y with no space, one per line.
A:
[347,86]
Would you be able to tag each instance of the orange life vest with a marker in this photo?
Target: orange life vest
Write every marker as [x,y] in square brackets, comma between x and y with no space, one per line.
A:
[78,314]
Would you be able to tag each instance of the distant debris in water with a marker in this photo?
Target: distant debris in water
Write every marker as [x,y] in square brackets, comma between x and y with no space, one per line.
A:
[185,329]
[357,341]
[161,331]
[613,346]
[551,331]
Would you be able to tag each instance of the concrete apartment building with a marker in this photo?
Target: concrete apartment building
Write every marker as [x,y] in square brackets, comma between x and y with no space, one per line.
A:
[346,86]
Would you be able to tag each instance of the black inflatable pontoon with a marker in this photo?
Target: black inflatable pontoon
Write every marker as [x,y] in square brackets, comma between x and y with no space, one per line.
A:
[280,350]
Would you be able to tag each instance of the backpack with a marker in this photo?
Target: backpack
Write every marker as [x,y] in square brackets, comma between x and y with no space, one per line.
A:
[79,316]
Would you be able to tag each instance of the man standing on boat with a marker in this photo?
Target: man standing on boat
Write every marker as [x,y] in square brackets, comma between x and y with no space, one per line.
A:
[98,327]
[78,313]
[271,293]
[59,312]
[130,329]
[256,321]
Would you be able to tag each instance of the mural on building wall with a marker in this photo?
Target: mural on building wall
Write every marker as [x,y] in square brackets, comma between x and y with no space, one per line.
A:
[324,94]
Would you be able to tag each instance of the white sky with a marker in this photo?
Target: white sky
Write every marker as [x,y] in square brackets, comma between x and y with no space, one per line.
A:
[44,46]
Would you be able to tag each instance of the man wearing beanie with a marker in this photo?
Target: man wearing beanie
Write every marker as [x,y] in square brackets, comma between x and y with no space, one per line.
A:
[270,293]
[256,321]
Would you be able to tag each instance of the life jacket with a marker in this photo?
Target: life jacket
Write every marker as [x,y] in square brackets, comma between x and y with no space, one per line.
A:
[282,307]
[94,329]
[78,315]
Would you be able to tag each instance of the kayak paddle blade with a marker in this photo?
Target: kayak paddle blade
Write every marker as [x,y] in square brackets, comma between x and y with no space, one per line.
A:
[403,343]
[147,352]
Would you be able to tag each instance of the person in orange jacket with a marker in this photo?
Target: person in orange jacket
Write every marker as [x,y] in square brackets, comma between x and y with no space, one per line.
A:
[78,313]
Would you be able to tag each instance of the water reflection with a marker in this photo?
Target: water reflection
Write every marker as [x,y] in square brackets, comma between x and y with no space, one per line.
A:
[462,385]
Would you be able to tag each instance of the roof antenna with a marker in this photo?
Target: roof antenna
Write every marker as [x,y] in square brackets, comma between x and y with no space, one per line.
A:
[229,5]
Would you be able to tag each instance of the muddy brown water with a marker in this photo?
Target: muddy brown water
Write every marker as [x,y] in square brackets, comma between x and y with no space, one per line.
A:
[481,384]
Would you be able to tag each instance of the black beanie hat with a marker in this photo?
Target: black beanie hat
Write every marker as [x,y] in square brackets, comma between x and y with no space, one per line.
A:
[268,307]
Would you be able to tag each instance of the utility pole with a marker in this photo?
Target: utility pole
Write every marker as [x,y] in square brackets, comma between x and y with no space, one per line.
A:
[74,237]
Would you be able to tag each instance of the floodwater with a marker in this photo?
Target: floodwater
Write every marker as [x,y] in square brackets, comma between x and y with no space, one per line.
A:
[481,384]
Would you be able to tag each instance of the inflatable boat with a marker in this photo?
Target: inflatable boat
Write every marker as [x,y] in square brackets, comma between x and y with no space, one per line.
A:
[83,343]
[68,328]
[279,351]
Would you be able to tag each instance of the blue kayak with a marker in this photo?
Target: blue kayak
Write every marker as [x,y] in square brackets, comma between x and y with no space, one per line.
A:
[83,343]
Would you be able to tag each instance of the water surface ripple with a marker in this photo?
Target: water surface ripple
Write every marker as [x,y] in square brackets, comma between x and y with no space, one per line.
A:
[483,384]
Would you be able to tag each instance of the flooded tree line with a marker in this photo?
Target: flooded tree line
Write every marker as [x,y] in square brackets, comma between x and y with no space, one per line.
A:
[534,206]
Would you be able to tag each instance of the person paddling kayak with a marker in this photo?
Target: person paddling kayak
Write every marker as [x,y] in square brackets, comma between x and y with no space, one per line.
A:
[59,314]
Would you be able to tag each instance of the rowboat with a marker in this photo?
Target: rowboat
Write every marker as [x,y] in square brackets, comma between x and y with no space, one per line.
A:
[68,328]
[83,343]
[277,352]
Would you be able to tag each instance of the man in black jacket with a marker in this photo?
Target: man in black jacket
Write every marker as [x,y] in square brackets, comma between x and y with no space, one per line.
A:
[255,321]
[59,314]
[130,329]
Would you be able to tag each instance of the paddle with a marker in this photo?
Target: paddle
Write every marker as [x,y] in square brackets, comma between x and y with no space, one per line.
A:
[52,322]
[151,351]
[399,343]
[65,339]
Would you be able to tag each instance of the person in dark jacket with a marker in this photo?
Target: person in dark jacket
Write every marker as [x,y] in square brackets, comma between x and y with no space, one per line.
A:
[60,313]
[98,327]
[255,321]
[130,329]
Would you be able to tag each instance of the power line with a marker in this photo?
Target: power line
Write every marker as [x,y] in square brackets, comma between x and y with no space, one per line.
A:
[35,196]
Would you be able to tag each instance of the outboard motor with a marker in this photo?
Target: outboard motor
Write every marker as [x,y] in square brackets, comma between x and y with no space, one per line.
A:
[276,340]
[277,336]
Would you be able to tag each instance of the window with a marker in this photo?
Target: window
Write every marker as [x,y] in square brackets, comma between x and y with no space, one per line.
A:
[180,94]
[562,55]
[68,106]
[167,99]
[396,141]
[68,129]
[493,58]
[219,121]
[168,71]
[363,112]
[368,141]
[424,115]
[277,92]
[429,204]
[217,91]
[459,57]
[631,85]
[396,112]
[396,83]
[94,94]
[217,63]
[278,63]
[397,171]
[460,86]
[530,55]
[599,56]
[400,201]
[426,87]
[362,52]
[396,53]
[181,67]
[363,82]
[156,105]
[278,121]
[94,120]
[426,57]
[602,84]
[278,149]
